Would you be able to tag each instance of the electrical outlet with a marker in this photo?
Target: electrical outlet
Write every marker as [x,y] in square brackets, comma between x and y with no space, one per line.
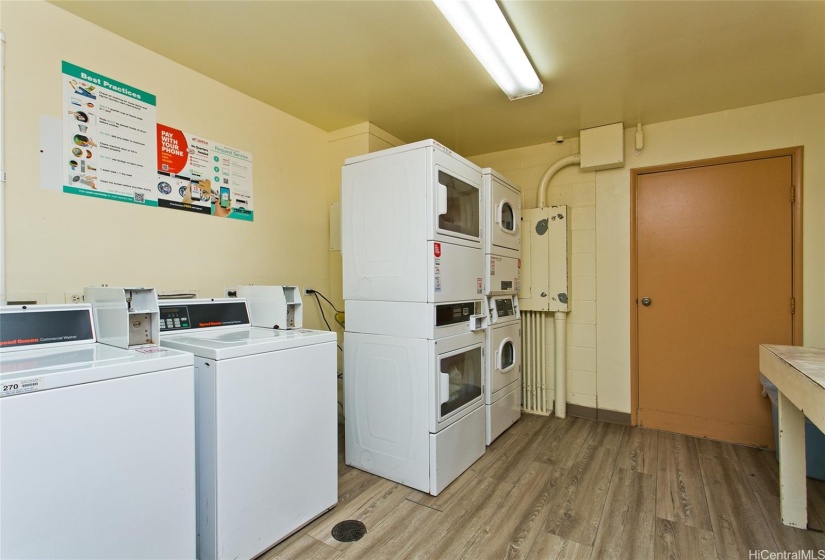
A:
[74,297]
[308,291]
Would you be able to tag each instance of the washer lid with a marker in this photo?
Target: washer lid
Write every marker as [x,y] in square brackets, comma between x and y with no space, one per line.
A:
[39,369]
[221,344]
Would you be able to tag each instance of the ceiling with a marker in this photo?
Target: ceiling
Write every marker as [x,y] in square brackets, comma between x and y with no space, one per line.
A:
[399,65]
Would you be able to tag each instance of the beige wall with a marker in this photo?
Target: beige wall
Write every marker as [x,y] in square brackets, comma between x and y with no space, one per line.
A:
[577,191]
[793,122]
[348,142]
[59,242]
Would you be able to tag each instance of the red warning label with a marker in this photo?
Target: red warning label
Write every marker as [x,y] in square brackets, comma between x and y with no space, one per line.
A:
[437,249]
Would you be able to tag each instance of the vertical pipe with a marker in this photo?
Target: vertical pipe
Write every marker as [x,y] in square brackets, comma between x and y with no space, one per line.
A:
[541,370]
[538,370]
[3,168]
[530,322]
[525,364]
[561,363]
[526,382]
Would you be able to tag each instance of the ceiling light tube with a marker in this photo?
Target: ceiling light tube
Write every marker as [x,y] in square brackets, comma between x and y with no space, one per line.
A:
[483,28]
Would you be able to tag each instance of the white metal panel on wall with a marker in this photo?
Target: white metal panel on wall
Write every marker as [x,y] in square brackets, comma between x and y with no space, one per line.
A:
[544,273]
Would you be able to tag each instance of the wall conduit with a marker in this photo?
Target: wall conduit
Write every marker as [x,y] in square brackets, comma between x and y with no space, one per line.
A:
[560,324]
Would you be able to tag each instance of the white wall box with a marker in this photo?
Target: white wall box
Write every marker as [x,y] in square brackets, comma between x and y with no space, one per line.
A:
[544,283]
[601,147]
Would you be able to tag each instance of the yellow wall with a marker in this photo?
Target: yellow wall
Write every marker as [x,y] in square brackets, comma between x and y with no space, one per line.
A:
[792,122]
[59,242]
[348,142]
[577,191]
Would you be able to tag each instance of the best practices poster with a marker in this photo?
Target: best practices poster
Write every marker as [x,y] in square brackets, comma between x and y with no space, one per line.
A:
[109,131]
[199,175]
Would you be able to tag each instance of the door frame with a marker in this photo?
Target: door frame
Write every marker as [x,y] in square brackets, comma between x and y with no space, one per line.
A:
[796,249]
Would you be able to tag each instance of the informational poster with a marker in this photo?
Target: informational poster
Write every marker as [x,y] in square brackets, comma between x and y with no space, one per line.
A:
[109,131]
[199,175]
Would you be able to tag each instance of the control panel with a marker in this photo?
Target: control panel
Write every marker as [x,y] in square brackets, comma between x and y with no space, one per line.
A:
[199,314]
[25,326]
[452,313]
[504,307]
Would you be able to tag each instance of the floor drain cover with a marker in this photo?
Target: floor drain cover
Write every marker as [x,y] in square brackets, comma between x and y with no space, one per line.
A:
[349,531]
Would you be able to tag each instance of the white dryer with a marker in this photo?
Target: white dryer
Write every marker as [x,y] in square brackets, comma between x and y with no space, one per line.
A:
[502,395]
[266,417]
[501,200]
[414,391]
[97,443]
[411,225]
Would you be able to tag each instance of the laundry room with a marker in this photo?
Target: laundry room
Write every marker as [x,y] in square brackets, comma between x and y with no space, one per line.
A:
[525,308]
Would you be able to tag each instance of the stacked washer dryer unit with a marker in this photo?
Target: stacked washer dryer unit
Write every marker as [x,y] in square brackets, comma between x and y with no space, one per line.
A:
[502,251]
[413,346]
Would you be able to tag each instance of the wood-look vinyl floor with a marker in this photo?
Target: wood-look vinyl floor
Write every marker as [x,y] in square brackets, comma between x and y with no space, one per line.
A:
[575,489]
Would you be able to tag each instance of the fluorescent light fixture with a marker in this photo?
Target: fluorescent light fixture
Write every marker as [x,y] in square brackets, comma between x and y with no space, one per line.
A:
[483,28]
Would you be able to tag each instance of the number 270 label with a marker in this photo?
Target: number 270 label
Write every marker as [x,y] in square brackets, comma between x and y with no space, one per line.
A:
[20,386]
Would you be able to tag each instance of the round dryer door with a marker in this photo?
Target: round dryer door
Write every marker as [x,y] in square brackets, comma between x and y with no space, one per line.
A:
[507,218]
[506,356]
[506,349]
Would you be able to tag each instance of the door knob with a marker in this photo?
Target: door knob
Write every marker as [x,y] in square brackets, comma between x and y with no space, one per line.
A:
[646,301]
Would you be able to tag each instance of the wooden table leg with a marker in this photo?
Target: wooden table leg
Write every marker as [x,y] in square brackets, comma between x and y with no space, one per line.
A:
[793,499]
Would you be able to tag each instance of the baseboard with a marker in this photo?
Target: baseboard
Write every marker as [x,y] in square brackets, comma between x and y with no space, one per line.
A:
[580,411]
[614,417]
[600,414]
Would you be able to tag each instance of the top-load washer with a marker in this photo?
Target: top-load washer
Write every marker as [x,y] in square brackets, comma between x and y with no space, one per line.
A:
[98,443]
[501,201]
[411,225]
[266,417]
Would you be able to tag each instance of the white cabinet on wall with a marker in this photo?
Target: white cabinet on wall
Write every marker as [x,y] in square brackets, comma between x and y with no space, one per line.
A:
[544,275]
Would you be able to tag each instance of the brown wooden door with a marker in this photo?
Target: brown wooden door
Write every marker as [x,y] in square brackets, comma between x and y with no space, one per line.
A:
[714,255]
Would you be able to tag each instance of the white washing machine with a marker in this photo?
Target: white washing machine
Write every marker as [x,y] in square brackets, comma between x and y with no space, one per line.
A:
[411,226]
[97,443]
[501,200]
[502,395]
[266,418]
[414,391]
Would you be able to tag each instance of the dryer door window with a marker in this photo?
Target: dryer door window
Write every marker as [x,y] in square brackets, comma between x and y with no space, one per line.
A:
[460,379]
[506,356]
[505,213]
[507,218]
[458,207]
